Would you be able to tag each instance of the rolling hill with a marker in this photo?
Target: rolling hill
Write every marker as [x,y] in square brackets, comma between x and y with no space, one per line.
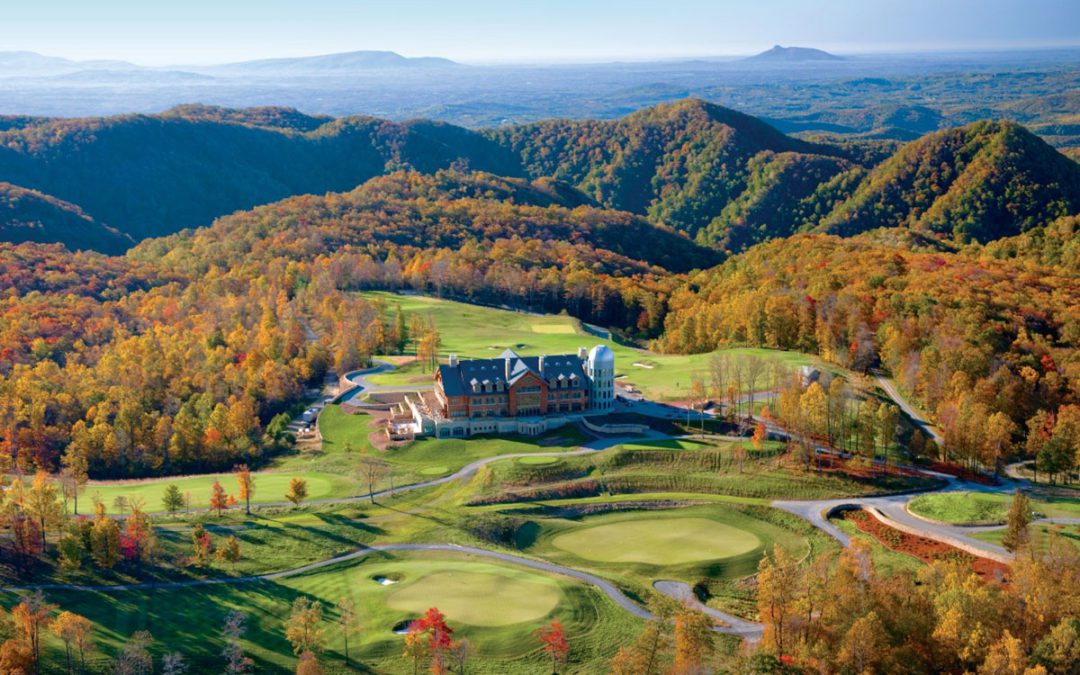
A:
[28,215]
[679,164]
[980,182]
[148,175]
[726,179]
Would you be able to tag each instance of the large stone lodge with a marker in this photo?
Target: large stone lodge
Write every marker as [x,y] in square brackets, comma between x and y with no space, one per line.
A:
[518,394]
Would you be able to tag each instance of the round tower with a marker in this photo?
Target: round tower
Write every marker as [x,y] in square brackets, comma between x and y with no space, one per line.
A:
[600,367]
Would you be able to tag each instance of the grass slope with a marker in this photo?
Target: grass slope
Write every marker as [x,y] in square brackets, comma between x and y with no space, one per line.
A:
[978,508]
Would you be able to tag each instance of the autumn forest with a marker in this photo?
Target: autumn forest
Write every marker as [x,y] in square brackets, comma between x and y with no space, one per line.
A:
[177,288]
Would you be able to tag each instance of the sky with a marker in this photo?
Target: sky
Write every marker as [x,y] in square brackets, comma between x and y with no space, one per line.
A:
[167,32]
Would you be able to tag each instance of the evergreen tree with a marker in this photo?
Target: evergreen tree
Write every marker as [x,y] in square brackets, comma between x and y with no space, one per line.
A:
[1017,536]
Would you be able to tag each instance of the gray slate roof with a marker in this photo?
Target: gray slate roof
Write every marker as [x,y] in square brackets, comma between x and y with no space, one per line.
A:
[457,380]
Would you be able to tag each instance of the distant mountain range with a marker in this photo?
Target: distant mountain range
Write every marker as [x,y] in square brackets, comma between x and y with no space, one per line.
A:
[332,63]
[724,178]
[792,54]
[31,64]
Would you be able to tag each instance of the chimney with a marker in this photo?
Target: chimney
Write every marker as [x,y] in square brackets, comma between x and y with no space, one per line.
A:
[453,360]
[581,353]
[541,365]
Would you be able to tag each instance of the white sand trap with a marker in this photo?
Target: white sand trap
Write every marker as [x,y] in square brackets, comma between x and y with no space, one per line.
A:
[553,328]
[638,364]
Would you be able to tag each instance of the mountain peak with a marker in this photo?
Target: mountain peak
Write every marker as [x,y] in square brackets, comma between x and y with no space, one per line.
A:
[791,54]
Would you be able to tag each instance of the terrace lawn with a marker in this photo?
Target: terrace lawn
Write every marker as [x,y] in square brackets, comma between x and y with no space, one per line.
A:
[424,458]
[475,332]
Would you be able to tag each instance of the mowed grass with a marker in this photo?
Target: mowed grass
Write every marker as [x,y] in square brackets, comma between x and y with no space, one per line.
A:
[495,597]
[475,332]
[538,461]
[658,541]
[344,433]
[962,508]
[979,508]
[269,487]
[637,547]
[497,607]
[1041,535]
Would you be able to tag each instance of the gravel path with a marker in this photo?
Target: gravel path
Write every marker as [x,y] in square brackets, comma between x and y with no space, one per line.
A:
[747,630]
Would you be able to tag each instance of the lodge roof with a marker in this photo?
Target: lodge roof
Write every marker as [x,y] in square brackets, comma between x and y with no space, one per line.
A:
[508,369]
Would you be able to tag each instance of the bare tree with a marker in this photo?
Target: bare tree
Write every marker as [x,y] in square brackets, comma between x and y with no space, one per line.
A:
[372,469]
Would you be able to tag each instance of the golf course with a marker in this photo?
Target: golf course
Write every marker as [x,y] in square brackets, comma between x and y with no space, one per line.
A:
[587,525]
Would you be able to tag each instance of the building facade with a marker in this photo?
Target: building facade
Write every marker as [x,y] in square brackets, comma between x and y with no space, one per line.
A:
[521,394]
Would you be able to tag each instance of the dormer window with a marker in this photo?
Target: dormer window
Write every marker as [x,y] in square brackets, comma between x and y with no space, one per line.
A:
[475,385]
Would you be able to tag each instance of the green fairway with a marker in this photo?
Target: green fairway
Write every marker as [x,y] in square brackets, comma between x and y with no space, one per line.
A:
[979,508]
[498,597]
[434,471]
[636,547]
[658,541]
[477,332]
[269,487]
[496,606]
[536,461]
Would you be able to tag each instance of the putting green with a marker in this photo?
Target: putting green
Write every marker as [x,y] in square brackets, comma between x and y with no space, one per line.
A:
[537,460]
[480,598]
[434,471]
[658,541]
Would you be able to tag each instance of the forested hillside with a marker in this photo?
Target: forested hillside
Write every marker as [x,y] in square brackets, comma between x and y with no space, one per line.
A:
[678,163]
[726,179]
[980,182]
[180,356]
[974,338]
[478,237]
[149,175]
[28,215]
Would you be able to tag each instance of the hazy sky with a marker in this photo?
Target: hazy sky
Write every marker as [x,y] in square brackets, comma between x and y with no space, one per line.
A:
[158,32]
